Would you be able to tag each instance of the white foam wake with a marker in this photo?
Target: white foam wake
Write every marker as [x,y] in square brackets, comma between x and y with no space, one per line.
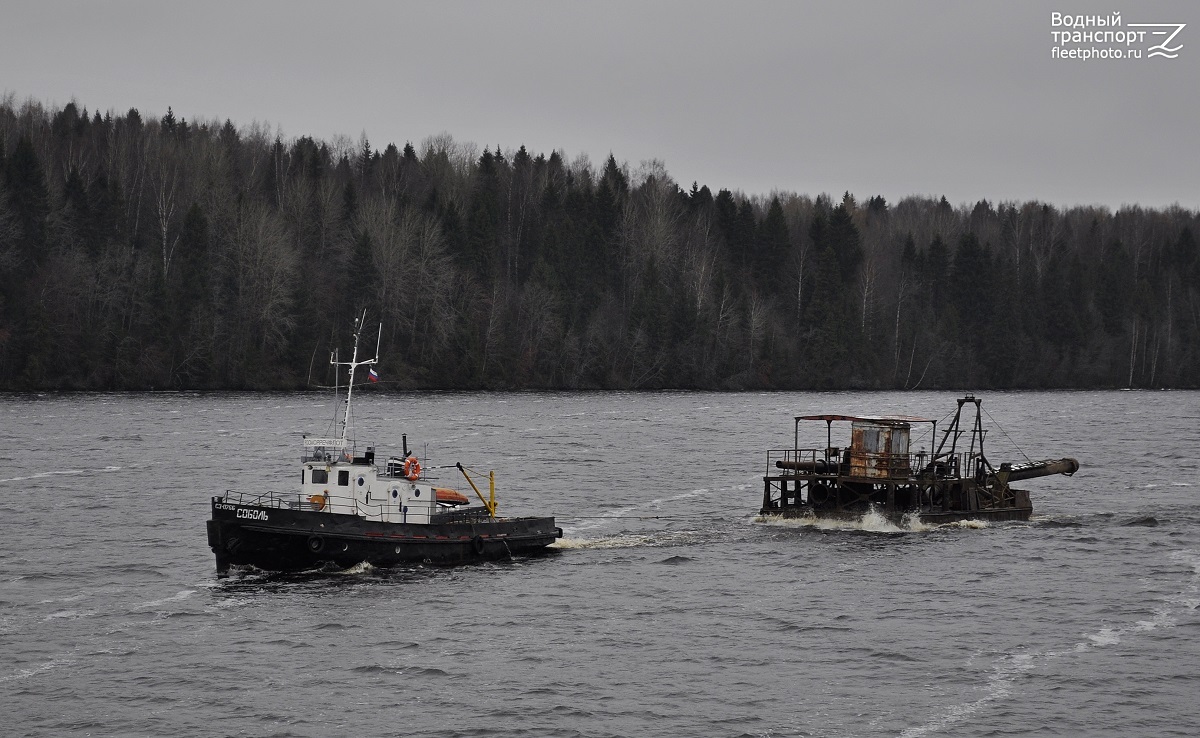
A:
[177,597]
[362,567]
[872,521]
[34,671]
[1010,666]
[612,516]
[60,472]
[626,540]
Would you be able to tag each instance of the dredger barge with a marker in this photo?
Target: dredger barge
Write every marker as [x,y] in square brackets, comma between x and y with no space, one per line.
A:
[878,471]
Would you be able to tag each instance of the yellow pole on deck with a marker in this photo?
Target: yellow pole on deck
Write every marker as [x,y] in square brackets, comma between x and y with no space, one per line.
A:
[490,505]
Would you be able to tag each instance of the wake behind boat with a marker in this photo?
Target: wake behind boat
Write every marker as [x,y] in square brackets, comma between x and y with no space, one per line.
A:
[349,510]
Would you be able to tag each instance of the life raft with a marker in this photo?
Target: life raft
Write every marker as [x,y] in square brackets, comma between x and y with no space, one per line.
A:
[450,497]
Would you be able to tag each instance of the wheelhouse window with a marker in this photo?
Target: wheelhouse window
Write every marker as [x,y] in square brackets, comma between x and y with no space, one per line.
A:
[344,478]
[320,476]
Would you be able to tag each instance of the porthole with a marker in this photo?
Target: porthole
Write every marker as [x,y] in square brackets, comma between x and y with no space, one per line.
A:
[416,493]
[362,481]
[395,493]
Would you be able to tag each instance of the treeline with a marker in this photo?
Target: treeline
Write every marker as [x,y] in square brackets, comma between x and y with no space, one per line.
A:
[167,253]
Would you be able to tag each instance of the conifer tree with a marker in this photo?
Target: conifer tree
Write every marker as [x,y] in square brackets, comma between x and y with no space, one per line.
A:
[772,248]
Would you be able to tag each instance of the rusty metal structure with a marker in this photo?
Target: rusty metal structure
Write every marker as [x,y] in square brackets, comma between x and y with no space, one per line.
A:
[879,470]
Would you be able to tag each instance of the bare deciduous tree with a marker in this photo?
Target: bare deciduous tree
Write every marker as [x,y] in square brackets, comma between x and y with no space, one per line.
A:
[264,273]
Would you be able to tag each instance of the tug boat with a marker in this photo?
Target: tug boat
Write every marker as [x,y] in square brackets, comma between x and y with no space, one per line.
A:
[877,471]
[349,510]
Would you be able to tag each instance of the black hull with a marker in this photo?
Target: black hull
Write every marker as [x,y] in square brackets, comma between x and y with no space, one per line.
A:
[934,501]
[278,539]
[899,516]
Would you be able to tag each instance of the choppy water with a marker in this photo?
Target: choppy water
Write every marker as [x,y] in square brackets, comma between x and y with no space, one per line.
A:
[668,610]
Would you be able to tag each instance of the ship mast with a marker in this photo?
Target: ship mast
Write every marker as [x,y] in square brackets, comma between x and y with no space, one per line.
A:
[354,363]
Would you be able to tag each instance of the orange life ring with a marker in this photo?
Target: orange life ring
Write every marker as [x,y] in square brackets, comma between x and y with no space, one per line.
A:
[318,500]
[412,468]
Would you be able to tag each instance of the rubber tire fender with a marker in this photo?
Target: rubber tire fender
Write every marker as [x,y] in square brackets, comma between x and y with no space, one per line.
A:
[820,495]
[478,544]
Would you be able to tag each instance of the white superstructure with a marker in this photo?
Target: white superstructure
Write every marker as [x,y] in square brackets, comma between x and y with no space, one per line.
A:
[334,480]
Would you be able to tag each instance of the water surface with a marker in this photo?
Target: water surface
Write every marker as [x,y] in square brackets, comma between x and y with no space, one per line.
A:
[667,610]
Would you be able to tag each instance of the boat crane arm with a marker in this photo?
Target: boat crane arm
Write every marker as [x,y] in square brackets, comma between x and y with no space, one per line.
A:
[490,504]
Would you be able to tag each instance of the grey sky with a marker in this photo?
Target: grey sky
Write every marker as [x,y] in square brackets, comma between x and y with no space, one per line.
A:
[892,98]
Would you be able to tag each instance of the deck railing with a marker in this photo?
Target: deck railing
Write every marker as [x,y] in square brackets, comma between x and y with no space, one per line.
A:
[297,501]
[287,500]
[809,462]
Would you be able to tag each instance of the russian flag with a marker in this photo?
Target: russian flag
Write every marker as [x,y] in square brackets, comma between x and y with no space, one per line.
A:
[373,375]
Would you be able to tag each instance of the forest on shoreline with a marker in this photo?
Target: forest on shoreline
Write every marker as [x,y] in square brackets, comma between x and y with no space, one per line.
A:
[163,253]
